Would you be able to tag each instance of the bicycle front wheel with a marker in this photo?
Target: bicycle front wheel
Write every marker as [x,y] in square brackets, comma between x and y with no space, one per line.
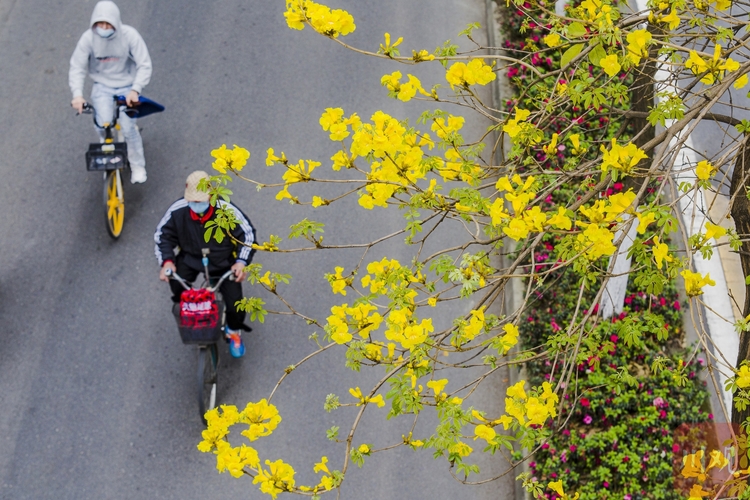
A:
[208,362]
[114,203]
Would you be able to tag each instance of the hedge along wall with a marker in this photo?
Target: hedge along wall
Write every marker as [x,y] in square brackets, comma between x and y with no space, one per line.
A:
[625,425]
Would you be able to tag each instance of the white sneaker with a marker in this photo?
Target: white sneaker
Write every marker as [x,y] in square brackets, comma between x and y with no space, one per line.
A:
[137,175]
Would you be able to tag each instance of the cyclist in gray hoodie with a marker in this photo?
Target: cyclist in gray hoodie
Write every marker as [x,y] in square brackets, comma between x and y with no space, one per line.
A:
[115,56]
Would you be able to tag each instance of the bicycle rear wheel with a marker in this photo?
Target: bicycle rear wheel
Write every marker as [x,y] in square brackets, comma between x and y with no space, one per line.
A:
[208,362]
[114,203]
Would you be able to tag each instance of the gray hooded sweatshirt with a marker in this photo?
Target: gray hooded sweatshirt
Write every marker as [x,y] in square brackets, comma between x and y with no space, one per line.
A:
[121,60]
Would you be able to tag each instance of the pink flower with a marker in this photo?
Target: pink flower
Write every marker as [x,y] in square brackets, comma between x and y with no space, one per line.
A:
[585,402]
[587,419]
[573,448]
[659,402]
[605,484]
[676,305]
[675,448]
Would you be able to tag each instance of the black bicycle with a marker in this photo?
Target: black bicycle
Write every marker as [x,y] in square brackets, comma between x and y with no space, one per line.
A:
[201,317]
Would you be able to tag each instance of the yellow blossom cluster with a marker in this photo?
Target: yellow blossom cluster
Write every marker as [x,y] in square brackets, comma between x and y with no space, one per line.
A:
[398,153]
[337,281]
[621,158]
[519,127]
[277,478]
[322,19]
[714,68]
[376,400]
[523,221]
[536,408]
[362,318]
[403,91]
[230,159]
[476,72]
[407,330]
[444,128]
[261,418]
[485,429]
[467,331]
[638,42]
[694,282]
[692,467]
[598,12]
[510,338]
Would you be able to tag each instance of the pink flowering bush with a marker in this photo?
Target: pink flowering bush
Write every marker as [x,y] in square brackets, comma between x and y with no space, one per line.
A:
[615,435]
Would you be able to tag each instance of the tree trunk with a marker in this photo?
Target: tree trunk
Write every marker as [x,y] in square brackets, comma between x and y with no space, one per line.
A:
[741,214]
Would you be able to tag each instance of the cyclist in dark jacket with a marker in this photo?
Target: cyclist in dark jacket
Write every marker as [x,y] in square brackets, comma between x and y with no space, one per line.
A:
[183,227]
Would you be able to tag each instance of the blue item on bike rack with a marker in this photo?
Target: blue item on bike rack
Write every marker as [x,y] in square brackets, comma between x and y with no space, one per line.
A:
[144,107]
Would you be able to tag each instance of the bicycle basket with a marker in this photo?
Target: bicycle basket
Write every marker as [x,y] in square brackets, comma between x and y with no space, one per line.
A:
[199,317]
[109,156]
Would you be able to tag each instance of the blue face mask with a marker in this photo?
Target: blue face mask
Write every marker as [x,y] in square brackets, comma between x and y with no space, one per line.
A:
[104,33]
[198,207]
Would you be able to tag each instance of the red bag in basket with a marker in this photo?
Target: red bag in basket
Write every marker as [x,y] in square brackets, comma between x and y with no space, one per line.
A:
[198,309]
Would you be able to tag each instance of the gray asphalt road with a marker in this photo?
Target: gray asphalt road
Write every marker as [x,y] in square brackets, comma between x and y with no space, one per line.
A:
[96,390]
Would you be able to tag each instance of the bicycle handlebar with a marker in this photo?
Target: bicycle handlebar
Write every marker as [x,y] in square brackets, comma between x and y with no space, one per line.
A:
[174,276]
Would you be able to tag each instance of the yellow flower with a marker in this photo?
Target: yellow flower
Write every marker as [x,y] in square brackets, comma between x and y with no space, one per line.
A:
[432,301]
[437,385]
[638,45]
[337,281]
[693,466]
[557,486]
[317,201]
[271,158]
[551,149]
[516,229]
[644,220]
[331,116]
[560,220]
[704,170]
[278,478]
[484,432]
[552,40]
[364,449]
[743,377]
[694,282]
[661,252]
[610,64]
[230,159]
[461,449]
[714,231]
[321,466]
[740,82]
[697,492]
[516,390]
[717,459]
[622,158]
[422,55]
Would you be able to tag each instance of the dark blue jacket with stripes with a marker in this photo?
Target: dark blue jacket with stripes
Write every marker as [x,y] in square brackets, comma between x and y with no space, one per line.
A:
[182,229]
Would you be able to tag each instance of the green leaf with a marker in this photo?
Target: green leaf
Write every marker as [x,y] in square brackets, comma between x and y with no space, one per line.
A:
[569,54]
[597,54]
[576,30]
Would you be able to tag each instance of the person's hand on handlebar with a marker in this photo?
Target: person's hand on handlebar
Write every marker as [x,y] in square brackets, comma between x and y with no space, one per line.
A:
[78,103]
[132,98]
[239,271]
[163,273]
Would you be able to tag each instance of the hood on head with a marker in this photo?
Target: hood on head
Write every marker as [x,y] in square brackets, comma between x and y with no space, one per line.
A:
[108,12]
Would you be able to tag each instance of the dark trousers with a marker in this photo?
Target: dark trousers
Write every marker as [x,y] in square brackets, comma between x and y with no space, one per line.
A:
[231,291]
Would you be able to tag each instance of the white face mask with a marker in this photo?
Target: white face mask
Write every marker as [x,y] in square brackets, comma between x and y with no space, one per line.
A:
[104,33]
